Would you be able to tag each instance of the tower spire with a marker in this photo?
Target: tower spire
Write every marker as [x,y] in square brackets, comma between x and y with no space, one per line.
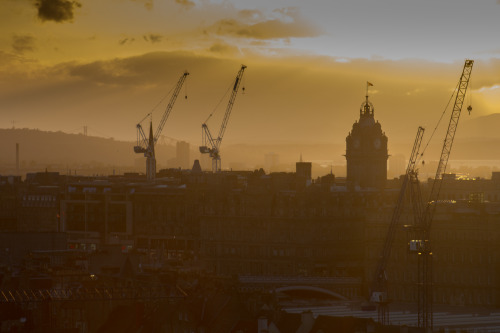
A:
[151,139]
[151,159]
[368,84]
[366,107]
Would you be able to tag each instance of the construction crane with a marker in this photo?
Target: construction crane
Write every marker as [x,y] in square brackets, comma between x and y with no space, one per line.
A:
[421,244]
[209,144]
[146,145]
[379,289]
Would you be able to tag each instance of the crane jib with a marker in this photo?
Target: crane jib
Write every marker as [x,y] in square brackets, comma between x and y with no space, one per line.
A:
[147,146]
[211,145]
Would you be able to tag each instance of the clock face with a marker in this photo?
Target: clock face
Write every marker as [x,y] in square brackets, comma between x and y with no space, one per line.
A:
[377,143]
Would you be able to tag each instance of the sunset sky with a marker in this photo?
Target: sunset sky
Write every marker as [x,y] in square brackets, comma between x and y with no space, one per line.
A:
[107,63]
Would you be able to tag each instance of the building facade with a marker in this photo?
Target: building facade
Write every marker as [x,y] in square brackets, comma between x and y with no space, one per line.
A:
[275,225]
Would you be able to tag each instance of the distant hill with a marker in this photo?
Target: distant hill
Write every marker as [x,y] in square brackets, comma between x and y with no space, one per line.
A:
[477,139]
[42,149]
[486,127]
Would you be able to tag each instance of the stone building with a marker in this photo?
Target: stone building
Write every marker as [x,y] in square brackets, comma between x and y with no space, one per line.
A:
[278,225]
[165,221]
[464,237]
[9,187]
[96,213]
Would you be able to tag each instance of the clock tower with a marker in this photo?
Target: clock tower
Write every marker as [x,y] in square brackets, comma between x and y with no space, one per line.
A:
[366,150]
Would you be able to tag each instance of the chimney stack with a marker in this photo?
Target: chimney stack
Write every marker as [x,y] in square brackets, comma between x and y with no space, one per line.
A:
[17,159]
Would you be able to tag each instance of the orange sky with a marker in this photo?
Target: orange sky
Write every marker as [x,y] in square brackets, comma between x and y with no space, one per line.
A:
[106,64]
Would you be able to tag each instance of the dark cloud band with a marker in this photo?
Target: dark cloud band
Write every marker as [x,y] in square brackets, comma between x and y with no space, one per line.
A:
[153,38]
[23,43]
[56,10]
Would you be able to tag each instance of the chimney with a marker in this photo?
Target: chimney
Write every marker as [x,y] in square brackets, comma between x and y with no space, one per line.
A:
[17,159]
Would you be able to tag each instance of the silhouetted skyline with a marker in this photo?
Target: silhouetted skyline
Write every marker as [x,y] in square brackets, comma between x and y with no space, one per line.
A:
[107,64]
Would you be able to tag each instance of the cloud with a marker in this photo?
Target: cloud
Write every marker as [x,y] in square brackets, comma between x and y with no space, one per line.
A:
[146,69]
[56,10]
[10,65]
[251,14]
[23,43]
[126,41]
[272,29]
[413,92]
[479,81]
[302,98]
[259,43]
[188,4]
[153,38]
[223,48]
[285,23]
[147,3]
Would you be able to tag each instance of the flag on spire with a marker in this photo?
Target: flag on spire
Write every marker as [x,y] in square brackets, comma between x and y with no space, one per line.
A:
[369,83]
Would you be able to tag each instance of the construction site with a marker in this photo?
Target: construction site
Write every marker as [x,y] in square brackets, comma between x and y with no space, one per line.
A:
[187,250]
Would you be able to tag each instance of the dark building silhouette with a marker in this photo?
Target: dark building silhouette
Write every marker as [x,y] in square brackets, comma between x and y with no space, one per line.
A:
[303,169]
[196,167]
[366,151]
[251,232]
[257,224]
[303,172]
[182,154]
[8,200]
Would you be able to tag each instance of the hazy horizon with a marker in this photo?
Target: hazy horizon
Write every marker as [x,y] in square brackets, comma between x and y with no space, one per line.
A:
[91,155]
[69,64]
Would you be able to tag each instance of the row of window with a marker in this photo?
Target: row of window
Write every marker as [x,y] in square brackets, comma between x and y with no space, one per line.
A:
[39,198]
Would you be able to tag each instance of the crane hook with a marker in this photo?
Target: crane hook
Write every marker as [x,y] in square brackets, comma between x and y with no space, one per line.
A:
[469,108]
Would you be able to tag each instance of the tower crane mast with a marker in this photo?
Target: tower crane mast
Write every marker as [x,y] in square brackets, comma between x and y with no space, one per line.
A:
[211,145]
[448,142]
[146,145]
[423,244]
[379,287]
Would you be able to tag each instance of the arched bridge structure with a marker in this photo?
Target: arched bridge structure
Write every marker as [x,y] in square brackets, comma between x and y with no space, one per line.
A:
[316,290]
[341,288]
